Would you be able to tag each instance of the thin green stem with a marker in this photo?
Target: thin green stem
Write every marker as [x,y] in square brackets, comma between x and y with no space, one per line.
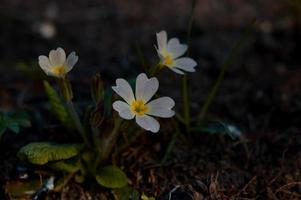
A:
[180,118]
[67,94]
[154,71]
[186,101]
[227,63]
[185,85]
[107,142]
[172,142]
[190,23]
[77,122]
[61,184]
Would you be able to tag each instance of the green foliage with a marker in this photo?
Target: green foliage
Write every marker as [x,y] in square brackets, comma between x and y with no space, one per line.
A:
[65,89]
[144,197]
[126,193]
[13,121]
[228,62]
[69,166]
[41,153]
[57,105]
[79,178]
[111,177]
[223,128]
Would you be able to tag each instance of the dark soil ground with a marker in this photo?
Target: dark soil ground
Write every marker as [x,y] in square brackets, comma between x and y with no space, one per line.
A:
[260,94]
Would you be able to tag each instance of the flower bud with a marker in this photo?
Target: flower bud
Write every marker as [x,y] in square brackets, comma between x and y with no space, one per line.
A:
[96,116]
[97,89]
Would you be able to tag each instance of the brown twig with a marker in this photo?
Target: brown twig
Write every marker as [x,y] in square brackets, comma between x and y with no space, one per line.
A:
[282,188]
[246,186]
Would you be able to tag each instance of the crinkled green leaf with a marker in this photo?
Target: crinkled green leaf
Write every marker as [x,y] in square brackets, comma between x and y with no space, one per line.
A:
[57,105]
[69,166]
[126,193]
[111,177]
[41,153]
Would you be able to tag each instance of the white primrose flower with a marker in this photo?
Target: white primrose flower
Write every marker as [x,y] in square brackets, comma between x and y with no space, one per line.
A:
[139,105]
[170,52]
[57,65]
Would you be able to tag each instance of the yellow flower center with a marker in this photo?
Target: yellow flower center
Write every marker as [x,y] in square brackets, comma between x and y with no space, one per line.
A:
[58,70]
[139,108]
[168,59]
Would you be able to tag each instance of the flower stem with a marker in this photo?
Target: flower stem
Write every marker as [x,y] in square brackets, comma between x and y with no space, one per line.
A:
[227,63]
[185,87]
[172,142]
[186,107]
[66,92]
[108,141]
[154,71]
[77,123]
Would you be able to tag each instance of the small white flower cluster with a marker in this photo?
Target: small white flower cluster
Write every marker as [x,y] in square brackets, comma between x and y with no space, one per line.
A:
[136,106]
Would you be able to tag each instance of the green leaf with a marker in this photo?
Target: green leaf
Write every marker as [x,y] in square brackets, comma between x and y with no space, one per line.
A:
[144,197]
[220,127]
[111,177]
[69,166]
[21,118]
[41,153]
[13,126]
[79,178]
[13,121]
[57,106]
[126,193]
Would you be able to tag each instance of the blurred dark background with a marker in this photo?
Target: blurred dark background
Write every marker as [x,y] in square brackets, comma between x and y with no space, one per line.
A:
[262,84]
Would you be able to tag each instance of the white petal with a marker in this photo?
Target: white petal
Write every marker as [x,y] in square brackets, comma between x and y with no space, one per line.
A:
[161,107]
[175,48]
[146,88]
[44,64]
[57,57]
[123,109]
[160,55]
[185,64]
[176,70]
[71,61]
[148,123]
[124,90]
[162,40]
